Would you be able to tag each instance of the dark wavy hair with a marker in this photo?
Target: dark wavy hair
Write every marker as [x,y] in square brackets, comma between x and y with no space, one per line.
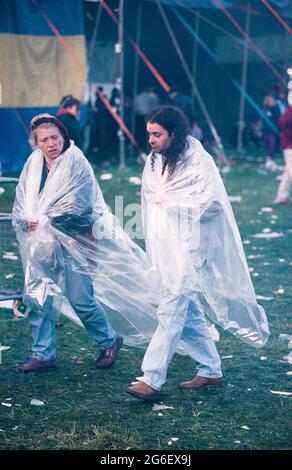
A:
[176,124]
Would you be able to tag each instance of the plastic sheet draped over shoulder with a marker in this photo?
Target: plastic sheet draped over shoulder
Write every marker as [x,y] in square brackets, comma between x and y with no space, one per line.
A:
[70,211]
[198,248]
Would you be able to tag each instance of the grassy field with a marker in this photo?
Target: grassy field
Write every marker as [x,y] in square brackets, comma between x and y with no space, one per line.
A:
[89,409]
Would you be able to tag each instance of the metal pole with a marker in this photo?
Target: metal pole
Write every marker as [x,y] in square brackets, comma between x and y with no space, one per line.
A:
[122,162]
[195,59]
[136,69]
[241,123]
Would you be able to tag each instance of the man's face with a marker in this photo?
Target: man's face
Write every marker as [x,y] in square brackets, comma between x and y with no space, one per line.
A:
[158,137]
[50,141]
[74,110]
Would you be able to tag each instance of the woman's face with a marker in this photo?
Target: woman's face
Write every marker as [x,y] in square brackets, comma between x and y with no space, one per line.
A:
[50,141]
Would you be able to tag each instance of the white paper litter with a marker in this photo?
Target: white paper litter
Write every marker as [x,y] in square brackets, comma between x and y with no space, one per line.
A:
[245,427]
[269,235]
[263,358]
[262,297]
[4,348]
[8,405]
[169,443]
[174,439]
[227,357]
[237,442]
[2,190]
[106,176]
[285,394]
[36,402]
[135,180]
[267,230]
[280,291]
[161,407]
[159,414]
[10,255]
[235,198]
[9,276]
[267,209]
[289,373]
[254,256]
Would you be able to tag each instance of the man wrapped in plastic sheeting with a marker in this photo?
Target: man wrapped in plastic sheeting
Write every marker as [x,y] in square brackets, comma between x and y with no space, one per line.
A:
[195,255]
[74,250]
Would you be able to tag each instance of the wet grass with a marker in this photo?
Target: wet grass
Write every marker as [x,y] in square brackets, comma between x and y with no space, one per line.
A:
[89,409]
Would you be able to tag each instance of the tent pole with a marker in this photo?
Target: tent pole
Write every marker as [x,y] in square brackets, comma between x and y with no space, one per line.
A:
[122,161]
[241,123]
[136,71]
[195,59]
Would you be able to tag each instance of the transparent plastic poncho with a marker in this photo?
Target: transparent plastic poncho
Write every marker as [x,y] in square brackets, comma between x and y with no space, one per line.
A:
[193,244]
[76,228]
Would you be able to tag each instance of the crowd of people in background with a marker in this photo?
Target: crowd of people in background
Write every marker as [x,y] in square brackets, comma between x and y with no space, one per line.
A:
[99,130]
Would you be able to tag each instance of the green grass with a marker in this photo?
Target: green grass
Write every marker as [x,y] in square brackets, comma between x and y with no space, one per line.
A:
[89,409]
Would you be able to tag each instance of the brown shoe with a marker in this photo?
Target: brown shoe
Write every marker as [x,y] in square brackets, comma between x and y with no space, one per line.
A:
[142,390]
[36,365]
[109,356]
[199,382]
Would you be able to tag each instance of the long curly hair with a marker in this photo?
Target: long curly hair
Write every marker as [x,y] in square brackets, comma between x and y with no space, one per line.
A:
[176,124]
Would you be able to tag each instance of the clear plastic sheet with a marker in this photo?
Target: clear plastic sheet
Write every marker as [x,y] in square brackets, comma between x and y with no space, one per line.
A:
[208,258]
[76,231]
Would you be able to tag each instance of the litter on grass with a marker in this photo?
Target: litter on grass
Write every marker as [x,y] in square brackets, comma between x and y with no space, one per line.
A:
[284,394]
[235,198]
[135,180]
[106,176]
[269,235]
[161,407]
[267,209]
[36,402]
[262,297]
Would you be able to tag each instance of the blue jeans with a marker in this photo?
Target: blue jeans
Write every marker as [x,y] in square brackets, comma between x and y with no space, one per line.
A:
[180,319]
[80,293]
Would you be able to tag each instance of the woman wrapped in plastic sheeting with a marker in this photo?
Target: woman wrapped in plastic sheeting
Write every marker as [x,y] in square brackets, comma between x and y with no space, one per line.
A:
[196,257]
[73,249]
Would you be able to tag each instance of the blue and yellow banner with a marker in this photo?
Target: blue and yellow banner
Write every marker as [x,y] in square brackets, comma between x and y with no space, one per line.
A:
[36,67]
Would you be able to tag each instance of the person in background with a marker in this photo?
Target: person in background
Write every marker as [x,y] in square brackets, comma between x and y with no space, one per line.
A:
[182,101]
[285,123]
[272,112]
[144,103]
[69,114]
[280,97]
[196,131]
